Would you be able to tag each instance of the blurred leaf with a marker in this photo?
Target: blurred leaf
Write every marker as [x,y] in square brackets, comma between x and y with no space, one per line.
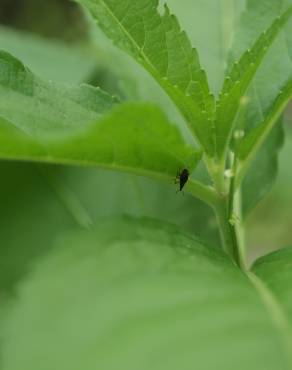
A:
[284,180]
[138,294]
[50,59]
[275,269]
[36,107]
[263,171]
[157,43]
[31,218]
[40,201]
[275,273]
[274,212]
[105,193]
[46,122]
[62,18]
[84,104]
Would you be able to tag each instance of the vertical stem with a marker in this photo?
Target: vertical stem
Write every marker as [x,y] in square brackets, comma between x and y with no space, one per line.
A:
[228,209]
[228,213]
[234,211]
[240,232]
[227,230]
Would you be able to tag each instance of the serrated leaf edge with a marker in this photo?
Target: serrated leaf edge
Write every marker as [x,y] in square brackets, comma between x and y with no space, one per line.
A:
[234,91]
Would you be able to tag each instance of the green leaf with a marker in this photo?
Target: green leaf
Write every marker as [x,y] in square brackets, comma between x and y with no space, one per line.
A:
[105,193]
[157,42]
[275,273]
[210,26]
[39,108]
[255,138]
[254,19]
[51,60]
[274,214]
[49,123]
[121,141]
[71,197]
[31,218]
[138,294]
[275,270]
[271,78]
[258,170]
[239,79]
[253,155]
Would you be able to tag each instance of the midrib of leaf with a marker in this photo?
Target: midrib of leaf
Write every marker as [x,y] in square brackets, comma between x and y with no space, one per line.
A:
[193,187]
[86,163]
[112,15]
[277,314]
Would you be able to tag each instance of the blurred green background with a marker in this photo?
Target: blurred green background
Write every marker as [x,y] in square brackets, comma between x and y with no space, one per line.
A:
[54,18]
[38,202]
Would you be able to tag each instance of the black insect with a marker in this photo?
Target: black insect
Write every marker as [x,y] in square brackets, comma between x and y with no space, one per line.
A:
[182,178]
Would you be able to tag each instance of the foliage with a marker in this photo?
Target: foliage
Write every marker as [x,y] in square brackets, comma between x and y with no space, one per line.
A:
[138,289]
[133,292]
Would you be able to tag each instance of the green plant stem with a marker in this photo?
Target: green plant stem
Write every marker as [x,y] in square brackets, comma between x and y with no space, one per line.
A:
[228,214]
[227,230]
[235,218]
[240,230]
[216,171]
